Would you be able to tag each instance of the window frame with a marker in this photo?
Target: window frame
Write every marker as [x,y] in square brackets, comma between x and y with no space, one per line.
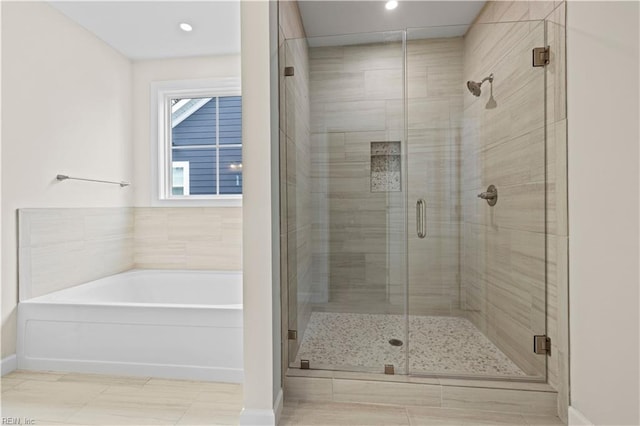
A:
[161,157]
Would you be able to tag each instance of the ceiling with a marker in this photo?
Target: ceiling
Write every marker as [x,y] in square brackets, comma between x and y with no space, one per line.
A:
[150,29]
[327,18]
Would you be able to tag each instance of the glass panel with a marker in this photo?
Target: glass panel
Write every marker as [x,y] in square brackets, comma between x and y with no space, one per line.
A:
[179,179]
[230,170]
[477,278]
[230,116]
[202,169]
[193,121]
[344,131]
[387,240]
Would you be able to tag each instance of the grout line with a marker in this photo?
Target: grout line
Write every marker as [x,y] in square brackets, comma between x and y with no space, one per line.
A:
[406,412]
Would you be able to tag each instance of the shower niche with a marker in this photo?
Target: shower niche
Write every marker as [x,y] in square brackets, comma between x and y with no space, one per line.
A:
[386,166]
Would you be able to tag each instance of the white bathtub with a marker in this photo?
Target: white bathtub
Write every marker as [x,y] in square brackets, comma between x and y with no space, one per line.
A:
[172,324]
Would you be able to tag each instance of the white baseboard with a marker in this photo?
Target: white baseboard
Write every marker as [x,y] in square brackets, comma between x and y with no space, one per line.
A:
[165,371]
[576,418]
[251,417]
[9,364]
[278,405]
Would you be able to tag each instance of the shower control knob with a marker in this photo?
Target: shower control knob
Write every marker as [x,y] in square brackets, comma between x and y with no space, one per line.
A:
[491,195]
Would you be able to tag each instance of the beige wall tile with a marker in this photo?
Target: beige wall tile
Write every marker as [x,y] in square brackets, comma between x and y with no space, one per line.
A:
[188,238]
[290,20]
[305,413]
[307,389]
[521,402]
[386,393]
[443,416]
[503,255]
[60,248]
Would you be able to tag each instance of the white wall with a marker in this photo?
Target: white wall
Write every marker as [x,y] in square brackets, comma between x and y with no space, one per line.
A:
[66,108]
[603,135]
[257,215]
[145,72]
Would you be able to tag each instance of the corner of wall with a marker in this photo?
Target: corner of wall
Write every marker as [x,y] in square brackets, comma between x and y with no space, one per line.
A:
[9,364]
[257,417]
[576,418]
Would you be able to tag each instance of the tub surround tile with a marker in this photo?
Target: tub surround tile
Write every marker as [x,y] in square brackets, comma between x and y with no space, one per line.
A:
[188,238]
[60,248]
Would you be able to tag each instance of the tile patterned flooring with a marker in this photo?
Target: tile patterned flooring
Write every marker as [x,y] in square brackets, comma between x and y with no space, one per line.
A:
[438,344]
[51,398]
[86,399]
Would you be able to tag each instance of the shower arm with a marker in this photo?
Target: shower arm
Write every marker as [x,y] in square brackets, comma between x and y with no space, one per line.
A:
[490,78]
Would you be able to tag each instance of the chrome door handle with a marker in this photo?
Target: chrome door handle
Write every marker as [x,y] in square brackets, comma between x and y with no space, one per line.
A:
[421,218]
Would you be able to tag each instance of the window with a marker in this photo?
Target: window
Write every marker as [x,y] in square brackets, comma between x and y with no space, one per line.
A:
[180,181]
[199,147]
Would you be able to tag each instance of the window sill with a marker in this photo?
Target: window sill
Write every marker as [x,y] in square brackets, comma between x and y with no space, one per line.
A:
[224,201]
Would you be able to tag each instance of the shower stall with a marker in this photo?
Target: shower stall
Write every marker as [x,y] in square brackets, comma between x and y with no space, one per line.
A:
[414,199]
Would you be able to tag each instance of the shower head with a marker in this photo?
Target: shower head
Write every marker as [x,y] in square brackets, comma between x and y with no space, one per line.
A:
[474,86]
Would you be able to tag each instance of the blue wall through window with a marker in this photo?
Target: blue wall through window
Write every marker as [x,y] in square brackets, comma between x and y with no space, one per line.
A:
[207,133]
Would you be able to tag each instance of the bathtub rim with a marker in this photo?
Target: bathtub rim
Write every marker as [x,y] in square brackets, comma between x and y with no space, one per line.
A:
[46,298]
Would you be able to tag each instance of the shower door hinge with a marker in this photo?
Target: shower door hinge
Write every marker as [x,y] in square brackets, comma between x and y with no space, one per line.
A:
[542,345]
[289,71]
[292,334]
[540,56]
[304,364]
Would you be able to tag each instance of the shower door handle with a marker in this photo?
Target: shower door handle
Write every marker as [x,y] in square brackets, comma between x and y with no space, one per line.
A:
[421,218]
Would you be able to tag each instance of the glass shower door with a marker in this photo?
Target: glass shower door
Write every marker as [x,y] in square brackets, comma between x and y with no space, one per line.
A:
[476,269]
[345,202]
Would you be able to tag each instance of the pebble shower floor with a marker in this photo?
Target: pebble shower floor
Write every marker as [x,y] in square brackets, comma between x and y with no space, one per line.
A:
[437,344]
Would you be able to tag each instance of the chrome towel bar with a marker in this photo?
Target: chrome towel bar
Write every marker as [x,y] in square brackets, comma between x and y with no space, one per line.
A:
[65,177]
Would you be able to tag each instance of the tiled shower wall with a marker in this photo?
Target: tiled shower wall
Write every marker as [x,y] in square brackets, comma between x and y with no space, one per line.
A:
[356,99]
[435,91]
[61,248]
[358,240]
[506,247]
[503,278]
[295,168]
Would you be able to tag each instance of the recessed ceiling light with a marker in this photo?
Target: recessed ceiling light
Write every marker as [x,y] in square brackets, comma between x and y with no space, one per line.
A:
[185,27]
[391,4]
